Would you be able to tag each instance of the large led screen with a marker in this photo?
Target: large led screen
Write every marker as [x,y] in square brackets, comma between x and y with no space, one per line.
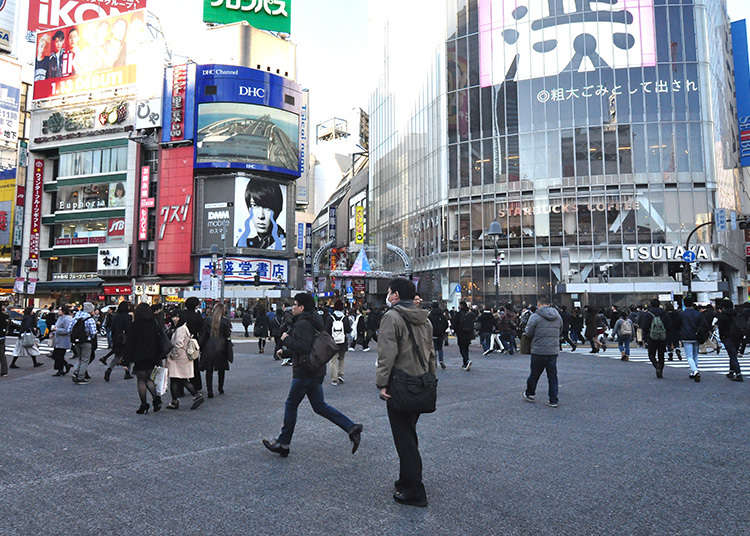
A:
[247,136]
[525,39]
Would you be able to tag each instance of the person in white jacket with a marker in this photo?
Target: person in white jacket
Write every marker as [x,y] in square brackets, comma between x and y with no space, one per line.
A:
[180,366]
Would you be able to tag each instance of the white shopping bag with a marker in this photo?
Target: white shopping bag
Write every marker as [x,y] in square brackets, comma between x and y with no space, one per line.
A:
[160,375]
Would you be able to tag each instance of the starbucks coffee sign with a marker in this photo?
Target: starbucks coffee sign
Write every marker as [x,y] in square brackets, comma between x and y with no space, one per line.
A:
[272,15]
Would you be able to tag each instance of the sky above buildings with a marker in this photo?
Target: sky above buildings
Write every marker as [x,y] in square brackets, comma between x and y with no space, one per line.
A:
[339,43]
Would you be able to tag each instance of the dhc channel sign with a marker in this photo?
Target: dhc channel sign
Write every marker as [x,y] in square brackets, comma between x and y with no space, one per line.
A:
[247,119]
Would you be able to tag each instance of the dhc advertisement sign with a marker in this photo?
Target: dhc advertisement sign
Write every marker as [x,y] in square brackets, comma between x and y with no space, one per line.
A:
[742,82]
[247,119]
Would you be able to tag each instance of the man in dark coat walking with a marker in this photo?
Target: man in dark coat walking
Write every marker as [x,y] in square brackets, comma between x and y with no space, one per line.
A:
[297,344]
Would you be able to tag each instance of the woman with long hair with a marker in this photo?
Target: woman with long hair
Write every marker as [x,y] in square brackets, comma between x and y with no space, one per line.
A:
[142,349]
[262,326]
[215,345]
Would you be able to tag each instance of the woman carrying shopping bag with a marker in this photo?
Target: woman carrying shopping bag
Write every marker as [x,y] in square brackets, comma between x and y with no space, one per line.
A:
[180,364]
[27,343]
[143,349]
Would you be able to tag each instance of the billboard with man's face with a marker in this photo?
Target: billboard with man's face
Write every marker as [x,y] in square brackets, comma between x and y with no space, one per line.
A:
[99,54]
[251,213]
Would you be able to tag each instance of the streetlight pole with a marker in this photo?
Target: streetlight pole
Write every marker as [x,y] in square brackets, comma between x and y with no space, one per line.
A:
[494,231]
[689,272]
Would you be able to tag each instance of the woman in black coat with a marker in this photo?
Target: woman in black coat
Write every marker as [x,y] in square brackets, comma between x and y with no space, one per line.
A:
[261,327]
[142,349]
[215,343]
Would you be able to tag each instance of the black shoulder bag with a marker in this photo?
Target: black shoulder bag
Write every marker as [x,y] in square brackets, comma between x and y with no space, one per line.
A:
[413,394]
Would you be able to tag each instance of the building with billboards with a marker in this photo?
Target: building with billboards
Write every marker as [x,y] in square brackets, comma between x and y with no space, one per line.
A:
[231,154]
[598,135]
[94,118]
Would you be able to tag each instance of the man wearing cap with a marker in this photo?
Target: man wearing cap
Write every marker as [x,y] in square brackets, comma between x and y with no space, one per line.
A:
[82,347]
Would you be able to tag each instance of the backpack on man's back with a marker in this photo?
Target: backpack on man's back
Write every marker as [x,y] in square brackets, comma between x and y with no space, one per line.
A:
[79,334]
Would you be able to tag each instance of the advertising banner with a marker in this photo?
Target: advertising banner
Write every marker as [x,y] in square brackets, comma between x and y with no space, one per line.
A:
[252,211]
[300,236]
[247,119]
[272,15]
[82,122]
[174,216]
[116,227]
[89,196]
[178,106]
[742,83]
[46,14]
[146,203]
[243,269]
[100,54]
[308,248]
[10,98]
[36,212]
[7,24]
[148,114]
[332,223]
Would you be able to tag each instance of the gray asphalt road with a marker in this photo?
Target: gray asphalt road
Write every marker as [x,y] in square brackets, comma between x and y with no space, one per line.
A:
[624,453]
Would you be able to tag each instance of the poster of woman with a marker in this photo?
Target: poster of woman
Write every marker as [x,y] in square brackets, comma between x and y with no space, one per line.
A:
[259,214]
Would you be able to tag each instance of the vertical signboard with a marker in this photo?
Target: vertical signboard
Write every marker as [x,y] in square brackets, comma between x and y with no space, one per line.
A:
[178,113]
[7,200]
[10,98]
[18,223]
[272,15]
[146,203]
[332,223]
[359,224]
[36,212]
[308,248]
[7,24]
[300,236]
[46,14]
[742,83]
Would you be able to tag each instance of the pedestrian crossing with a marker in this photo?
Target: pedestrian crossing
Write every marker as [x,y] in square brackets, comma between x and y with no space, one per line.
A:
[46,347]
[707,363]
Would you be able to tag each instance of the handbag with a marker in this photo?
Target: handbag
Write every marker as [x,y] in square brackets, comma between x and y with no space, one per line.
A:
[165,344]
[230,351]
[322,351]
[160,377]
[525,347]
[413,394]
[28,340]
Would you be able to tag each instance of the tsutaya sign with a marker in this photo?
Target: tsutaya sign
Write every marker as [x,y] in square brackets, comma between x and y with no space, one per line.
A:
[664,252]
[273,15]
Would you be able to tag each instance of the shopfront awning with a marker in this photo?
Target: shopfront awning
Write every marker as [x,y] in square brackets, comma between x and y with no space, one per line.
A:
[67,285]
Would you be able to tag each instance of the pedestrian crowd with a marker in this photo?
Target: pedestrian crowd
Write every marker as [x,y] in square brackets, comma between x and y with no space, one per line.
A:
[178,350]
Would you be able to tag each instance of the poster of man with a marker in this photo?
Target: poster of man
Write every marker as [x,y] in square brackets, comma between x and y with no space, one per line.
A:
[259,214]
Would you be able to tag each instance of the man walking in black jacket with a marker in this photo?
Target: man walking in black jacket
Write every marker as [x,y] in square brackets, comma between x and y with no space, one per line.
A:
[296,345]
[655,325]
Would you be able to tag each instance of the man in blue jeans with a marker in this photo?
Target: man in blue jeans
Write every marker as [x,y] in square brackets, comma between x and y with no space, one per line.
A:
[544,328]
[295,345]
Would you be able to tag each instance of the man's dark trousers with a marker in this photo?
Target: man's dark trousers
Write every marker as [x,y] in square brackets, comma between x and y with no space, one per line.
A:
[313,389]
[540,363]
[404,430]
[656,351]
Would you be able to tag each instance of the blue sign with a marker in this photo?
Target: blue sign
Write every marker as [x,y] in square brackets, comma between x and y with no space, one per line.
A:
[458,289]
[689,256]
[742,84]
[247,119]
[720,219]
[178,107]
[300,236]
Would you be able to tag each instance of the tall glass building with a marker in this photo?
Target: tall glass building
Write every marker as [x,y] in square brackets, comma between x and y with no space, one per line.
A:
[598,134]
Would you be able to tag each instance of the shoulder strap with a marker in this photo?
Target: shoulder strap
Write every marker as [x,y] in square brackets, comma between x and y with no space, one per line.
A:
[417,349]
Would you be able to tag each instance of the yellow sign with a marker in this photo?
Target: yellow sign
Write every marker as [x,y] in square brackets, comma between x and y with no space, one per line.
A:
[7,202]
[174,299]
[359,225]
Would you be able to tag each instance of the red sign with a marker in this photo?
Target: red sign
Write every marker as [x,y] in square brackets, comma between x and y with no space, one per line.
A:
[175,232]
[20,196]
[36,212]
[80,241]
[116,227]
[88,56]
[747,251]
[46,14]
[179,86]
[121,290]
[63,241]
[146,203]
